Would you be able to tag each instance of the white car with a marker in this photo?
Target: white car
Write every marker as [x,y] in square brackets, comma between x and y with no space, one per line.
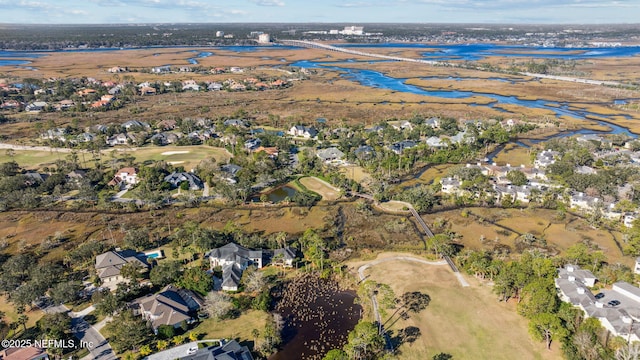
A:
[192,350]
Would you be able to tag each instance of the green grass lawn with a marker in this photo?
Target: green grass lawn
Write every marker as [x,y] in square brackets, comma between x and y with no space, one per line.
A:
[239,328]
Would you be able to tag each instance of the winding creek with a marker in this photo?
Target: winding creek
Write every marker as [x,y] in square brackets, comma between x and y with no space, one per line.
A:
[379,80]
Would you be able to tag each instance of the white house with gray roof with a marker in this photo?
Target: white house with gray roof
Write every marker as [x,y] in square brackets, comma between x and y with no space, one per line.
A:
[234,259]
[618,309]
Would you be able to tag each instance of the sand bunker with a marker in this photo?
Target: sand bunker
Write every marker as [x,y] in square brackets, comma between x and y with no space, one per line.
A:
[174,152]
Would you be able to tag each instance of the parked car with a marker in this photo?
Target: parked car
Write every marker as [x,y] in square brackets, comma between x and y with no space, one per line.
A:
[192,350]
[599,296]
[613,303]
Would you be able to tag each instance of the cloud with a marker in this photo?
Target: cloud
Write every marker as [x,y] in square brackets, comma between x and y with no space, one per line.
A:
[268,2]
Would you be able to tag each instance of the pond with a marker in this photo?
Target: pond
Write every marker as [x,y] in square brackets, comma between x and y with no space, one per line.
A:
[278,194]
[318,316]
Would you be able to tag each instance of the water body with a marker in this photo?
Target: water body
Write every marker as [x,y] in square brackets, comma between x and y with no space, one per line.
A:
[475,52]
[379,80]
[278,194]
[194,61]
[318,316]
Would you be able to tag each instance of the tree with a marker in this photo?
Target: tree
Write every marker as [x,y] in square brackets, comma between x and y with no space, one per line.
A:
[65,292]
[253,280]
[105,302]
[442,356]
[131,271]
[517,177]
[55,325]
[166,331]
[137,239]
[165,273]
[197,280]
[539,296]
[547,327]
[127,331]
[364,341]
[336,354]
[218,304]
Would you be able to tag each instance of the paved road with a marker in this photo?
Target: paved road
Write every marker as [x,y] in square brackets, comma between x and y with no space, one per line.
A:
[91,335]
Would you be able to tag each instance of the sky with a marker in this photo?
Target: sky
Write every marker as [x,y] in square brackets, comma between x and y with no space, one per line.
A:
[325,11]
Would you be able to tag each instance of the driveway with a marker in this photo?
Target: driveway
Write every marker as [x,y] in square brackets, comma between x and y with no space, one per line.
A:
[97,345]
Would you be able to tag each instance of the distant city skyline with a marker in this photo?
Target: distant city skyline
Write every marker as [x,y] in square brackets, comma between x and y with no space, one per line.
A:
[325,11]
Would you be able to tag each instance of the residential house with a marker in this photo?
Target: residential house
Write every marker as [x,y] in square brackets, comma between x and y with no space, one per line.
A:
[364,152]
[399,147]
[171,306]
[436,142]
[24,353]
[303,131]
[545,158]
[135,124]
[229,172]
[450,185]
[272,152]
[119,139]
[147,90]
[461,137]
[433,122]
[402,125]
[76,176]
[191,86]
[108,265]
[517,193]
[11,105]
[585,170]
[234,259]
[36,106]
[584,202]
[117,69]
[227,350]
[589,137]
[161,69]
[252,144]
[284,257]
[214,86]
[65,105]
[618,318]
[629,219]
[34,177]
[177,178]
[164,138]
[168,124]
[331,154]
[235,122]
[125,176]
[55,134]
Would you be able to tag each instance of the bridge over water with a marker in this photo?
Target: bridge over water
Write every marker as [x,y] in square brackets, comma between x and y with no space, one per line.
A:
[316,45]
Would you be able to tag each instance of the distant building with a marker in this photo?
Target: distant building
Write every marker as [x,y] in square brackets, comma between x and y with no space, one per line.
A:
[219,33]
[352,30]
[264,38]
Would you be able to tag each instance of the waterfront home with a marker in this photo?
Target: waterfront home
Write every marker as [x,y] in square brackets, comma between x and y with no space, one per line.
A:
[234,259]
